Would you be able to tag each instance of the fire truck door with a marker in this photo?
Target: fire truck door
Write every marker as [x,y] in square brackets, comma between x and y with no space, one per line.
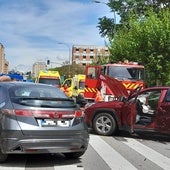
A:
[92,81]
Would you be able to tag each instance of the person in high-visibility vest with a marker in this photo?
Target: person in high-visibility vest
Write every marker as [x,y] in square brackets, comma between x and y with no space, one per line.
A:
[99,97]
[65,89]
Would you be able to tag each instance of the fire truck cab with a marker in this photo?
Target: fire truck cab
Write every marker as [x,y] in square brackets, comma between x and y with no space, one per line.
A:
[131,74]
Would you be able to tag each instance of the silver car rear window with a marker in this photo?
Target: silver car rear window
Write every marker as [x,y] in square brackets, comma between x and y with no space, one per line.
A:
[38,96]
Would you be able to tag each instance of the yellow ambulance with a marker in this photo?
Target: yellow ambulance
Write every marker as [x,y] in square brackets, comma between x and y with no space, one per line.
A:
[49,77]
[75,85]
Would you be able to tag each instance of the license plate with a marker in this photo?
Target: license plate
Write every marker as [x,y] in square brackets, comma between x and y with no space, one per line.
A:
[49,122]
[63,123]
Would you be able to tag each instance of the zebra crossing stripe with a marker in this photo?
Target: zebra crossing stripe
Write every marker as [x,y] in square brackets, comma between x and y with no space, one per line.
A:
[159,159]
[68,167]
[20,166]
[113,159]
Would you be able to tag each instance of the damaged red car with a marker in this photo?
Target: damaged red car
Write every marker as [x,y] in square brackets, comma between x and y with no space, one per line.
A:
[146,110]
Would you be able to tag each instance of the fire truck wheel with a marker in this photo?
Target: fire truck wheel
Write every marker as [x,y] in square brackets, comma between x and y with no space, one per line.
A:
[104,124]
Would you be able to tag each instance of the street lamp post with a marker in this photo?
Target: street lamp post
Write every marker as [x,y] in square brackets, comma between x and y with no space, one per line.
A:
[101,2]
[68,46]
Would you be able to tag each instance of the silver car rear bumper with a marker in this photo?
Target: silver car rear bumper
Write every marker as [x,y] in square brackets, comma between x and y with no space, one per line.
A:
[28,144]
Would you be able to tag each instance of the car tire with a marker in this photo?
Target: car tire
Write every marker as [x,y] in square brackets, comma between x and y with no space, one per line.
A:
[74,155]
[3,157]
[104,124]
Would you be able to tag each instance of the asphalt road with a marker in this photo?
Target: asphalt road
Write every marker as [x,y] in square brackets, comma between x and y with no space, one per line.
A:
[121,152]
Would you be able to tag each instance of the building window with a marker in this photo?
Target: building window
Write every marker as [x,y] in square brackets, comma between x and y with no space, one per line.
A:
[84,57]
[84,50]
[91,50]
[91,57]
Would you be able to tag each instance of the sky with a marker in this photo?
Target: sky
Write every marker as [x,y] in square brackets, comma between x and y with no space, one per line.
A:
[40,30]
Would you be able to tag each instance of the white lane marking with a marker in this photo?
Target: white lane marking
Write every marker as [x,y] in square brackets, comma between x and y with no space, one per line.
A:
[113,159]
[13,166]
[68,167]
[159,159]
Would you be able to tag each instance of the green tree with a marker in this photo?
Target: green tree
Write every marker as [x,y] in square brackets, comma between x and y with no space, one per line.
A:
[75,69]
[123,8]
[146,39]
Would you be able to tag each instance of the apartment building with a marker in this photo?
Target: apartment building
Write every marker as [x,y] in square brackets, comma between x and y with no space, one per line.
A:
[87,54]
[37,67]
[4,64]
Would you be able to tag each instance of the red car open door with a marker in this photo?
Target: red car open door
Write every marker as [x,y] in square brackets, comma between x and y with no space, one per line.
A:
[163,114]
[153,114]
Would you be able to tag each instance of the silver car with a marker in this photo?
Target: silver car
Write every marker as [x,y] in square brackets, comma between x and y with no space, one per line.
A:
[38,118]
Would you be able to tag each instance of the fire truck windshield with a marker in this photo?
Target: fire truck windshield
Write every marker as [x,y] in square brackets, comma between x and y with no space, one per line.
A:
[126,73]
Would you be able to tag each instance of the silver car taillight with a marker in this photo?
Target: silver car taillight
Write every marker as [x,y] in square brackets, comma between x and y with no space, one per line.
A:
[45,113]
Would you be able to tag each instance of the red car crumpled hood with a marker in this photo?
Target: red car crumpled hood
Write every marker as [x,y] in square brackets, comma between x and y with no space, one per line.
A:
[114,86]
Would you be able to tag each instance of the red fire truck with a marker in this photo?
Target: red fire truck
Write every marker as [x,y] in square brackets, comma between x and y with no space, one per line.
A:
[131,74]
